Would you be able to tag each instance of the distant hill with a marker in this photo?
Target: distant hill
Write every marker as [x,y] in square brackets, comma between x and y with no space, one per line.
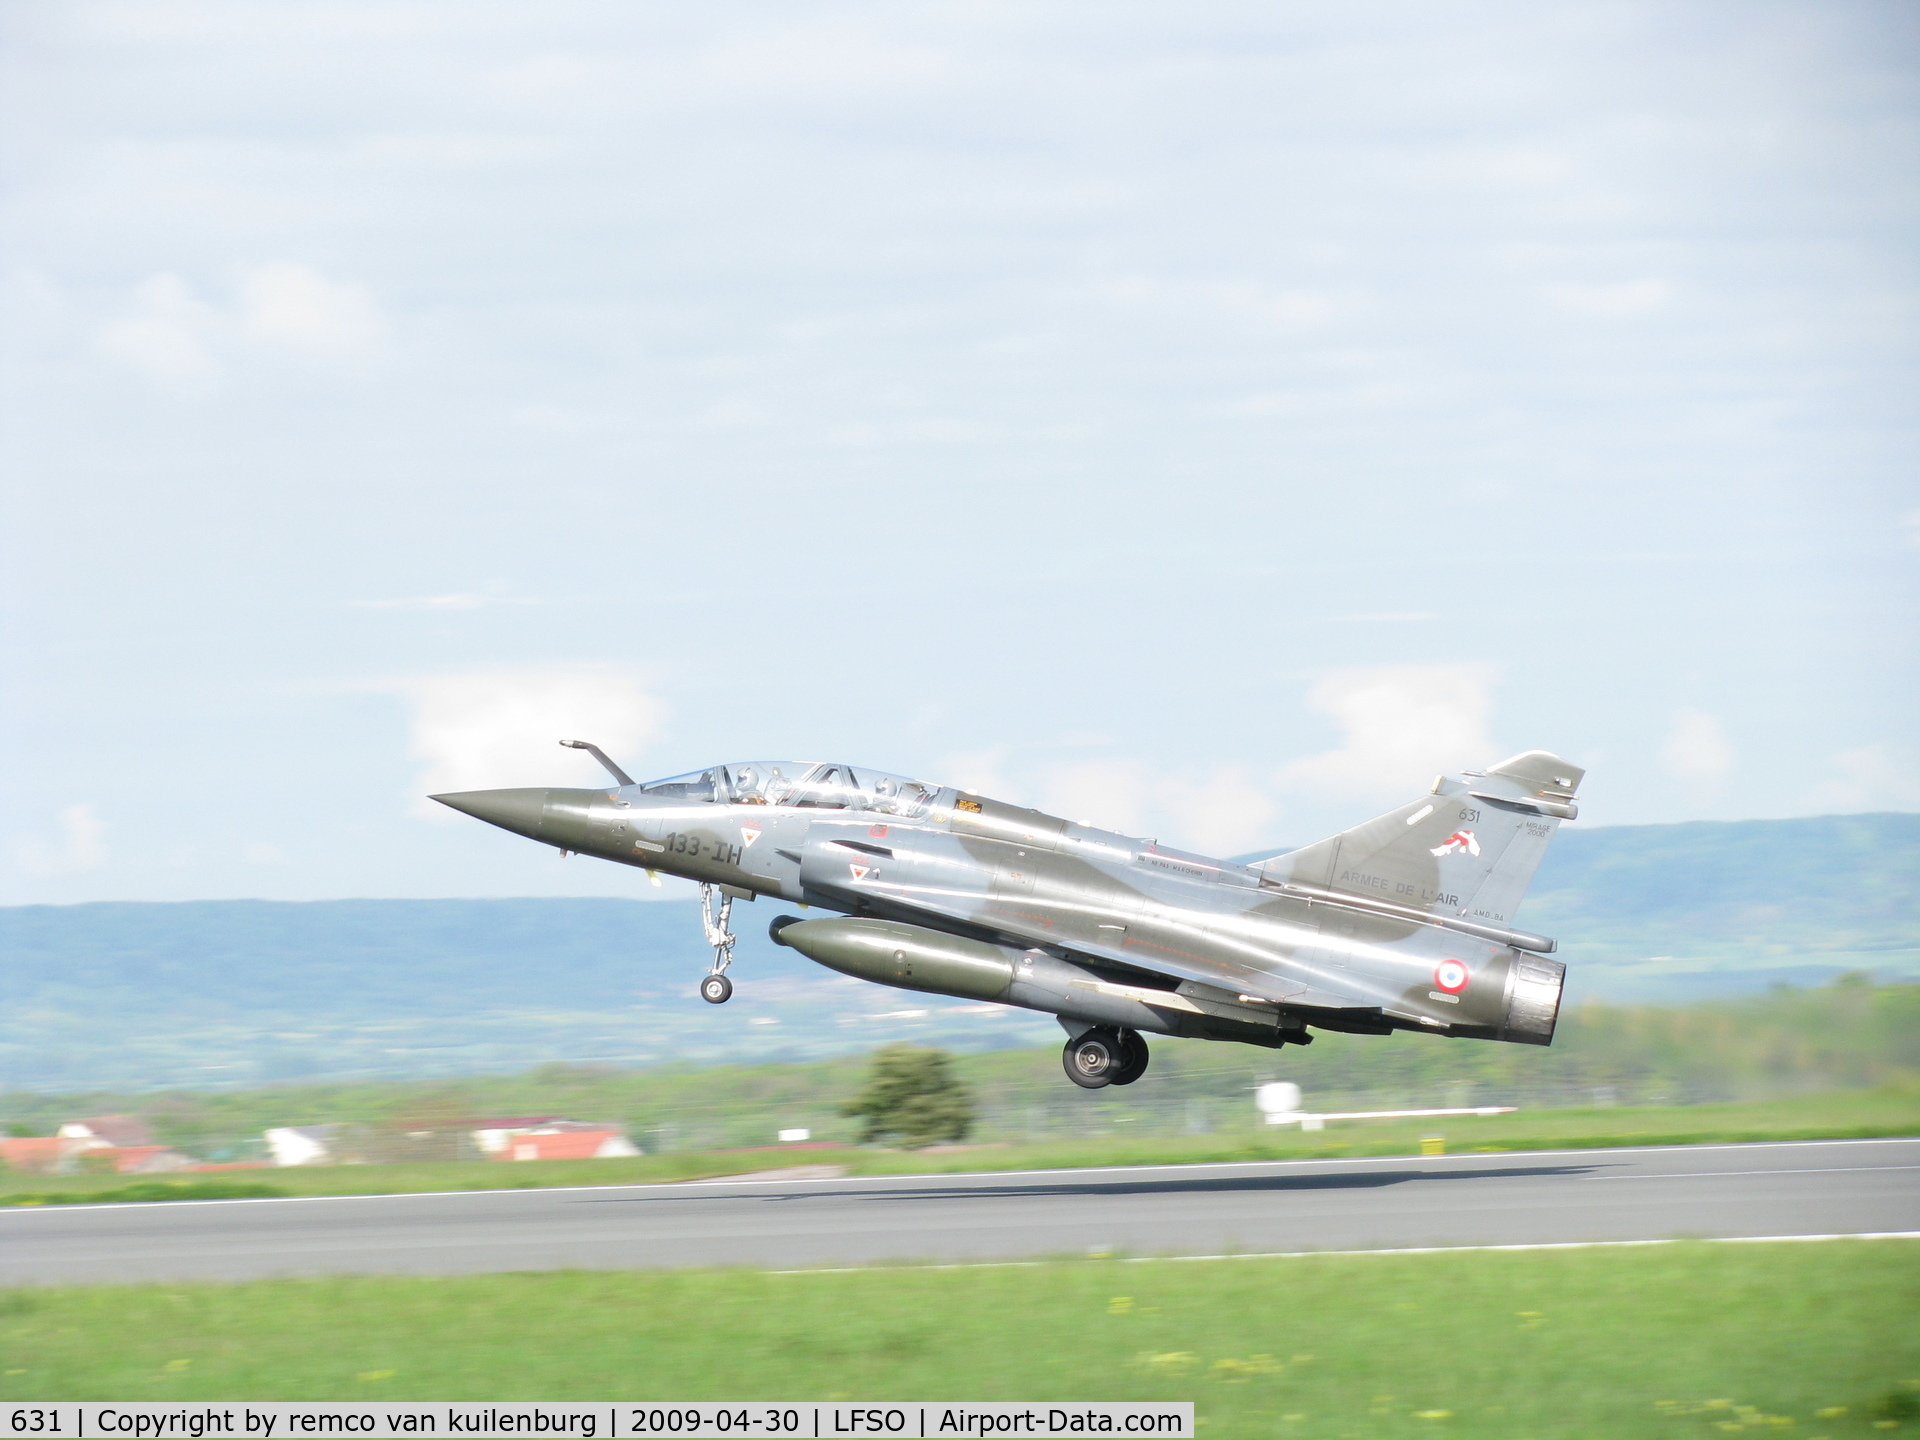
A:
[245,991]
[1672,912]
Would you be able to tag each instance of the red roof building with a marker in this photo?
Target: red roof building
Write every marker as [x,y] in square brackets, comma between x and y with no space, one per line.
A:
[36,1155]
[65,1154]
[566,1145]
[143,1159]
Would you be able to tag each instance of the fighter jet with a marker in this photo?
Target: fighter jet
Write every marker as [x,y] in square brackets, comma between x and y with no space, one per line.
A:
[1403,923]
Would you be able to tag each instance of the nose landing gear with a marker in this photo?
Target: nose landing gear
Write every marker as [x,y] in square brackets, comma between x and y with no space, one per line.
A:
[1099,1058]
[716,988]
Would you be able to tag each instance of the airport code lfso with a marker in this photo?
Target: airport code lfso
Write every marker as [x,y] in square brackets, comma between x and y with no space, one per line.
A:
[704,1420]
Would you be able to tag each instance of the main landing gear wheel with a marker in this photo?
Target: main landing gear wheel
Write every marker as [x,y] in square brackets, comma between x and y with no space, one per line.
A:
[1133,1058]
[716,989]
[1092,1060]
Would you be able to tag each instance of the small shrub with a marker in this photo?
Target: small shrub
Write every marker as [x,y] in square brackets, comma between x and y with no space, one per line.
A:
[913,1098]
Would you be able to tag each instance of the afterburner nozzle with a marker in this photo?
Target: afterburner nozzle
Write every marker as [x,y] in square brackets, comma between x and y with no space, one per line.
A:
[1533,1000]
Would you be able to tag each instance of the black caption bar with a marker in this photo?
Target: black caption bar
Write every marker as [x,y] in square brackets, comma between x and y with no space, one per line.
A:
[689,1420]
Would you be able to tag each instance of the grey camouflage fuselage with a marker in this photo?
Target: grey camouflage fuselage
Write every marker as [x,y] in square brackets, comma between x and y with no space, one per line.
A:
[1403,923]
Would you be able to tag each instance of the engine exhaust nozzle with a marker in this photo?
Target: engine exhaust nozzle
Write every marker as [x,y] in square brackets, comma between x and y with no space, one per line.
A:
[1533,1000]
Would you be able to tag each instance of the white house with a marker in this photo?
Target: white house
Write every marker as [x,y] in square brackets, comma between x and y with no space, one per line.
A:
[302,1144]
[108,1130]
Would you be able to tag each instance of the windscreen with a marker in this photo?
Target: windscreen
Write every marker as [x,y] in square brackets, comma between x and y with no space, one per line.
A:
[699,785]
[807,785]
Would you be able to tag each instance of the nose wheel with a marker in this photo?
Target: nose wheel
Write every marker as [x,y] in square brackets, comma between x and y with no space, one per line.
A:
[717,989]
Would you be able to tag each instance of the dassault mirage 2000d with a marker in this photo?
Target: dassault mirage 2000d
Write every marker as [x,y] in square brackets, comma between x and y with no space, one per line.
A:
[1403,923]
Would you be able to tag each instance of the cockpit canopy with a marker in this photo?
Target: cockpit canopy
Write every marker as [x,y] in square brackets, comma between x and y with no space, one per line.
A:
[803,783]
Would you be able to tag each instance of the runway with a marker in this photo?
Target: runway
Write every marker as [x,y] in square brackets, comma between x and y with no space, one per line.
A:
[1805,1188]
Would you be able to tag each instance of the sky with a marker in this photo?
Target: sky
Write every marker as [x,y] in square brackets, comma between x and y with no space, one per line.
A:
[1205,421]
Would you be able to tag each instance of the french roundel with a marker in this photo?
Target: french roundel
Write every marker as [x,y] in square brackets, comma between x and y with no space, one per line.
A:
[1451,976]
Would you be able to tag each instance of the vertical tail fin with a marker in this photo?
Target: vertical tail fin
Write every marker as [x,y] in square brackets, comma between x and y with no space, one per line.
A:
[1467,849]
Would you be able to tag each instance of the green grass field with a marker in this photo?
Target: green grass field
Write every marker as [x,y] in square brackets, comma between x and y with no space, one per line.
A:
[1683,1340]
[1849,1035]
[1835,1114]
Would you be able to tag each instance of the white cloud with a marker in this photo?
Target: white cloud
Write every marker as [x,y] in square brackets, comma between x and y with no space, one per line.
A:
[980,770]
[1112,794]
[1390,617]
[1626,299]
[1284,307]
[1403,724]
[832,59]
[462,601]
[298,309]
[166,336]
[494,592]
[491,729]
[78,845]
[1218,811]
[1221,813]
[184,344]
[1696,749]
[1288,309]
[1523,167]
[1872,777]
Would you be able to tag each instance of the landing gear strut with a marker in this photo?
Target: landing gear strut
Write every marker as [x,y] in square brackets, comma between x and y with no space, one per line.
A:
[1134,1065]
[716,988]
[1096,1059]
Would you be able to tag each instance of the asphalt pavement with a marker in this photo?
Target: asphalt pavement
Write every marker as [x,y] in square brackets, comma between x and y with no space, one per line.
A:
[1805,1188]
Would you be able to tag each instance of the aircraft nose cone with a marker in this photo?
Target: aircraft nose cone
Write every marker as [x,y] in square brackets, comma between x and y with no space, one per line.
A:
[521,811]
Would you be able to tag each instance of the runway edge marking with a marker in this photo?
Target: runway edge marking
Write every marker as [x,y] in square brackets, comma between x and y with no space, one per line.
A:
[1403,1250]
[684,1186]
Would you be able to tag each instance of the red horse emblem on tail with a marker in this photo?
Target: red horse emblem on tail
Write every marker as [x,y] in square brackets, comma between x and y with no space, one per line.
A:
[1458,841]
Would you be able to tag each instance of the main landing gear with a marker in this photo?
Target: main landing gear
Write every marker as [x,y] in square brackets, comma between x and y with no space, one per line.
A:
[716,988]
[1096,1059]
